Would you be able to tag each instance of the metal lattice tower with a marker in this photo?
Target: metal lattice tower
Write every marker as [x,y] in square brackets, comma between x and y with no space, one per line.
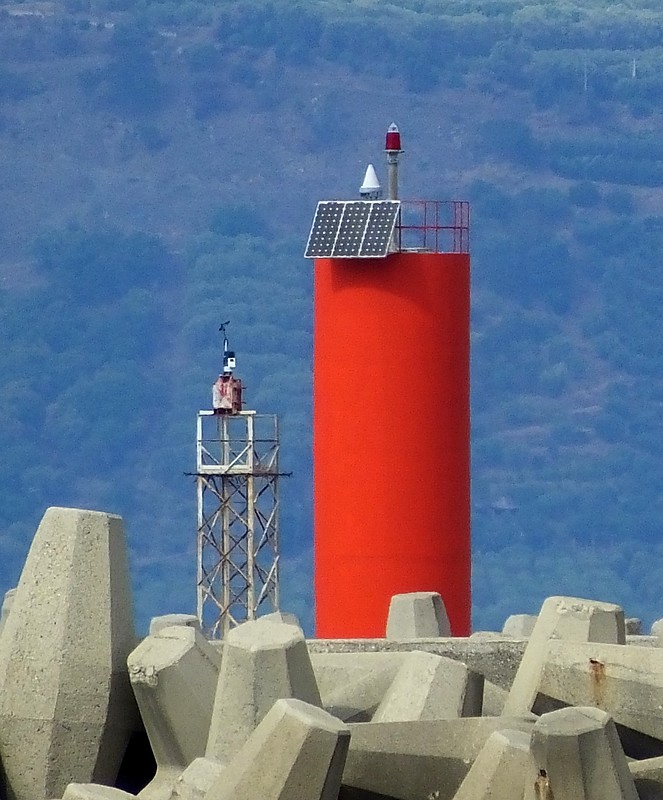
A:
[238,518]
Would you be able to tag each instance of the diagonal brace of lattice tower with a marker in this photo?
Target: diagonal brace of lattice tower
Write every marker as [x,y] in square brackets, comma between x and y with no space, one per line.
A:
[237,474]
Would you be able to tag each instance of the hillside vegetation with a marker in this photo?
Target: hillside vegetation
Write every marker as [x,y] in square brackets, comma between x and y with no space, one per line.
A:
[161,163]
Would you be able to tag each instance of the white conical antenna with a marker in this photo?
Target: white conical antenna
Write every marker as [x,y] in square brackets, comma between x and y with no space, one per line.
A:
[370,188]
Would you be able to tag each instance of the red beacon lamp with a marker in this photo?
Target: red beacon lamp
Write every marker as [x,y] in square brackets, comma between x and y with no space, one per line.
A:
[393,150]
[393,140]
[227,389]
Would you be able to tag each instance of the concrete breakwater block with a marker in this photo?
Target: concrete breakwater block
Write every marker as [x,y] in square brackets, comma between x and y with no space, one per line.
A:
[7,604]
[406,760]
[352,685]
[577,754]
[173,620]
[281,616]
[497,658]
[240,719]
[500,770]
[417,615]
[94,791]
[648,777]
[627,682]
[263,661]
[174,674]
[520,626]
[571,619]
[66,706]
[297,752]
[431,687]
[197,779]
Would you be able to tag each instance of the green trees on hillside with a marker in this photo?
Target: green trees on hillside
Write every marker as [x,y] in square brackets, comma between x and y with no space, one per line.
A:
[128,82]
[628,159]
[93,266]
[572,450]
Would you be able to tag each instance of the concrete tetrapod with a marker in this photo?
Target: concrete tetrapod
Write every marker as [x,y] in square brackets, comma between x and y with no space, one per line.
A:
[94,791]
[431,687]
[352,685]
[657,628]
[627,682]
[520,626]
[496,658]
[648,777]
[569,618]
[297,752]
[173,620]
[408,760]
[66,706]
[197,779]
[281,616]
[501,769]
[417,615]
[263,661]
[494,698]
[174,675]
[577,755]
[6,607]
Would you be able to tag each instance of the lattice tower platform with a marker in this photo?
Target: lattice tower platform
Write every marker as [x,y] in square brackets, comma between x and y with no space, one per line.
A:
[238,518]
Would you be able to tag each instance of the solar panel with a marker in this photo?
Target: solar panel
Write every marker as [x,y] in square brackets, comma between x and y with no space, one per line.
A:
[325,229]
[379,230]
[352,229]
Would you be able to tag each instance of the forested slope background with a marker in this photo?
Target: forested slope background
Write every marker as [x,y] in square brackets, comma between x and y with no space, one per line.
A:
[160,164]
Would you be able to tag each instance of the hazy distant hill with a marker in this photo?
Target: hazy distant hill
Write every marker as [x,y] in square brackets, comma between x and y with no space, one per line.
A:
[160,165]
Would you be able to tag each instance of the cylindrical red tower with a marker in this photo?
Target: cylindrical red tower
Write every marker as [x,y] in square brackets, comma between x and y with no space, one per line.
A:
[391,437]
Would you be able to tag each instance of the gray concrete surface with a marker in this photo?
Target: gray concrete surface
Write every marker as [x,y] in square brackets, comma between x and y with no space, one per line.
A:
[297,752]
[625,681]
[7,603]
[520,626]
[262,663]
[488,636]
[633,626]
[250,703]
[174,674]
[407,760]
[501,769]
[648,777]
[417,615]
[569,618]
[642,640]
[496,658]
[197,779]
[352,685]
[577,753]
[172,620]
[427,686]
[66,706]
[494,698]
[94,791]
[281,616]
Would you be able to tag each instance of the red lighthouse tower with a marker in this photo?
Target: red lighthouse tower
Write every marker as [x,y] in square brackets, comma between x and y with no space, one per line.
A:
[391,406]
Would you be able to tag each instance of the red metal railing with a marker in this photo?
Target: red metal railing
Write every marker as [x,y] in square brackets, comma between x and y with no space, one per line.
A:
[434,226]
